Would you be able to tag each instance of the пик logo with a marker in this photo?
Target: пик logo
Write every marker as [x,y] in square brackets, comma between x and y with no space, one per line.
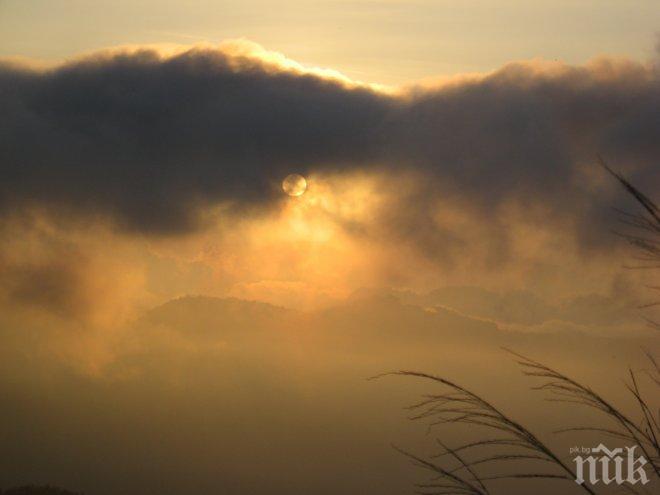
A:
[608,461]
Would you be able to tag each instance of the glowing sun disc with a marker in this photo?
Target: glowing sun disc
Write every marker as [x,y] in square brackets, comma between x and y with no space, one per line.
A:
[294,185]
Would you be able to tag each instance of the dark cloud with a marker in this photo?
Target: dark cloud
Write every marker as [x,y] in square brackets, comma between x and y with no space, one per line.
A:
[530,134]
[55,287]
[149,141]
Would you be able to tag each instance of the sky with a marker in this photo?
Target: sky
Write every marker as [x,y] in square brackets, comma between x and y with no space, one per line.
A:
[387,42]
[218,219]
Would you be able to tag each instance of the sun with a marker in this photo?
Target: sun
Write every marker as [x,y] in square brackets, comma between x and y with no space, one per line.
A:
[294,185]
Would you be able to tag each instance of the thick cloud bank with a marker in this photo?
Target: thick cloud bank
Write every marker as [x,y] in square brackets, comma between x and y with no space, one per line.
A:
[150,141]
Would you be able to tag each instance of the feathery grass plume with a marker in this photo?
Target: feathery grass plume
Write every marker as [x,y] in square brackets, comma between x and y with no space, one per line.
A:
[514,442]
[642,231]
[460,406]
[643,433]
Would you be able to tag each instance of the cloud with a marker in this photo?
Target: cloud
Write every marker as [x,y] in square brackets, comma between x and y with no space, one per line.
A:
[469,175]
[114,164]
[88,278]
[151,141]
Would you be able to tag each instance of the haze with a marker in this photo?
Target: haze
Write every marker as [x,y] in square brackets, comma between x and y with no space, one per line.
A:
[173,322]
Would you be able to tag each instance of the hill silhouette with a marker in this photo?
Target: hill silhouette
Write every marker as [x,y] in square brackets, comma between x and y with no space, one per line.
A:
[37,490]
[202,315]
